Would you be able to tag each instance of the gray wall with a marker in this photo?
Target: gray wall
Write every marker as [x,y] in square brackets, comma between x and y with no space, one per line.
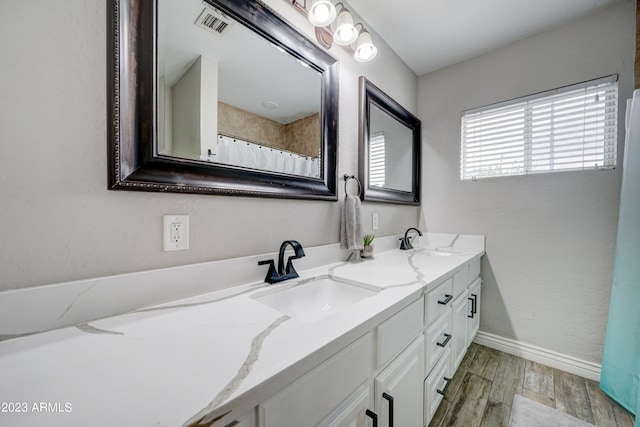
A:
[549,238]
[60,221]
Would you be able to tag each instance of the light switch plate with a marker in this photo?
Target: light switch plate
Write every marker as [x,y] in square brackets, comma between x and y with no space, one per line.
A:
[176,232]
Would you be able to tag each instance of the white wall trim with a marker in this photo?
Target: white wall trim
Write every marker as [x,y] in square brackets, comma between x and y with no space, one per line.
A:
[537,354]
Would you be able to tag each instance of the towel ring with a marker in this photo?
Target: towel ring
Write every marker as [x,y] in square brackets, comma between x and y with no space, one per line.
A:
[346,179]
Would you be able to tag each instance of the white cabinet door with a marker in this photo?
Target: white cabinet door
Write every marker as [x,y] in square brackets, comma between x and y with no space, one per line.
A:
[356,411]
[474,309]
[248,419]
[309,399]
[461,309]
[398,389]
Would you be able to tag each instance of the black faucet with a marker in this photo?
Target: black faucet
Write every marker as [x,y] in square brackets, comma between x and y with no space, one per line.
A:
[283,273]
[405,242]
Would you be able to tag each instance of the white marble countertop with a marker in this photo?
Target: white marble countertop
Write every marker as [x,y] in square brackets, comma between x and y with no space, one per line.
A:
[201,357]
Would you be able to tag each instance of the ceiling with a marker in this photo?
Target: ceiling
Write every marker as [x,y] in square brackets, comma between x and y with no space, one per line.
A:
[250,70]
[432,34]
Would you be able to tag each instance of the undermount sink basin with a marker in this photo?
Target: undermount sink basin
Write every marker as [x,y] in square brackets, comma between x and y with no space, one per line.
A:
[438,252]
[315,299]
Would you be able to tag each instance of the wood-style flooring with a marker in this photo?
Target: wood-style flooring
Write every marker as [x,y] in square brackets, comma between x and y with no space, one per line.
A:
[482,391]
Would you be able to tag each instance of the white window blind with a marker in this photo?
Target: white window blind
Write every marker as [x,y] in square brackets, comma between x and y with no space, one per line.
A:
[570,128]
[377,160]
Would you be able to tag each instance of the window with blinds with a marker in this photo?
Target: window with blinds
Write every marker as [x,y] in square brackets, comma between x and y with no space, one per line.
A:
[377,160]
[570,128]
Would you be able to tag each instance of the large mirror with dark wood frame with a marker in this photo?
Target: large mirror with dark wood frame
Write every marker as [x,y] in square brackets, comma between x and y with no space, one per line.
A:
[389,148]
[219,97]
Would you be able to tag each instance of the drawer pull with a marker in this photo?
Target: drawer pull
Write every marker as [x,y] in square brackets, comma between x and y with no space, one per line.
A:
[390,399]
[373,417]
[446,299]
[446,386]
[474,305]
[447,337]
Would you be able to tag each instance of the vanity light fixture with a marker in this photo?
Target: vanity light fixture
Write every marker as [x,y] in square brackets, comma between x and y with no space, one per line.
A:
[365,50]
[321,14]
[346,33]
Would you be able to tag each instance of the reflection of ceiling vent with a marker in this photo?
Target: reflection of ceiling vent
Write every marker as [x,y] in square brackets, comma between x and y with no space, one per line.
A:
[214,20]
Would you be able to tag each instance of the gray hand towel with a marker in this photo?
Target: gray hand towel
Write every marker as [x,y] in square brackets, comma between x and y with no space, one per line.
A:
[351,236]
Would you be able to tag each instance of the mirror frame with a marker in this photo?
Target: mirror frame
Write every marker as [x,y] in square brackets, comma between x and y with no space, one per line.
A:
[370,94]
[134,161]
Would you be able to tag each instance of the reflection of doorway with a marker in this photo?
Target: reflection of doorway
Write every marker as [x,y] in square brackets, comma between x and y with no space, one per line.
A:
[185,107]
[376,160]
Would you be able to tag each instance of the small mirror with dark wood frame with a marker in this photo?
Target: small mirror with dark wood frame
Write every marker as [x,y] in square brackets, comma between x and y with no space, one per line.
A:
[389,148]
[137,151]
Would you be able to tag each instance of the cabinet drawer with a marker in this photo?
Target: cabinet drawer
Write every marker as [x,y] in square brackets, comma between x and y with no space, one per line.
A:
[327,385]
[474,269]
[439,300]
[438,338]
[436,385]
[395,333]
[460,281]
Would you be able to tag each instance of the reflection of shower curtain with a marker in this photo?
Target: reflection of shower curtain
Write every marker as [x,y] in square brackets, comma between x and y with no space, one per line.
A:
[621,359]
[232,151]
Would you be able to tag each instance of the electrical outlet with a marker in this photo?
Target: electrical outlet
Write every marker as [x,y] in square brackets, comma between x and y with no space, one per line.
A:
[176,232]
[374,220]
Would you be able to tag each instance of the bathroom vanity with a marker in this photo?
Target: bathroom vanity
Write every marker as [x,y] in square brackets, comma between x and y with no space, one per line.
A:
[344,344]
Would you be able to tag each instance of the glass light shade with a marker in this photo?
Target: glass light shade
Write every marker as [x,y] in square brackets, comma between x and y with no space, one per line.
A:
[346,33]
[365,50]
[322,13]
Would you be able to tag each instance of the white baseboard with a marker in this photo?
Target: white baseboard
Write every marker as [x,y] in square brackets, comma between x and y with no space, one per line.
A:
[540,355]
